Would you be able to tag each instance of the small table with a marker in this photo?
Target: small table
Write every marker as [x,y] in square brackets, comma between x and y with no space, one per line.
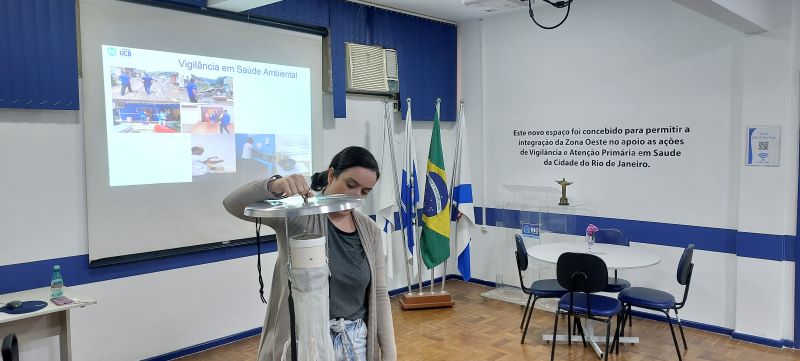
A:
[615,257]
[50,321]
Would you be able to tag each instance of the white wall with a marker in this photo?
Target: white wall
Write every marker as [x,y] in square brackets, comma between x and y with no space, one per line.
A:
[767,197]
[45,170]
[613,62]
[43,165]
[649,64]
[598,73]
[153,314]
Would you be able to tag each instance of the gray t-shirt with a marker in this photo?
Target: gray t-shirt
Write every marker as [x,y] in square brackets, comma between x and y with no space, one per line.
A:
[350,275]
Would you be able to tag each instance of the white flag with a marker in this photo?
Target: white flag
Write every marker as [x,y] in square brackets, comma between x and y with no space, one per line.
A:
[462,198]
[409,195]
[387,194]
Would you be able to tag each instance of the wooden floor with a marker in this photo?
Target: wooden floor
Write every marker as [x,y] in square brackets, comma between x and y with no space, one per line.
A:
[478,329]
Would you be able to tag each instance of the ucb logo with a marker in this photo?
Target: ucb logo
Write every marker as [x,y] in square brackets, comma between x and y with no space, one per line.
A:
[530,229]
[112,51]
[124,52]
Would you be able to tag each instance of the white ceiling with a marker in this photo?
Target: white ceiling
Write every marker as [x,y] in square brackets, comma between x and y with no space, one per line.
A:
[450,10]
[748,16]
[453,11]
[733,13]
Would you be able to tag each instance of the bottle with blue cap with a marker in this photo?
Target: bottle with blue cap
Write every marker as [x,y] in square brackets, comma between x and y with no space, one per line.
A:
[56,283]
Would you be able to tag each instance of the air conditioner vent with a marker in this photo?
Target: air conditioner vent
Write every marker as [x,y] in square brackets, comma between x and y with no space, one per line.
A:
[391,63]
[371,69]
[366,68]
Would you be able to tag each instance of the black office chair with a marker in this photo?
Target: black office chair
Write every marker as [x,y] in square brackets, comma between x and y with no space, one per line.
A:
[616,237]
[10,348]
[582,275]
[547,288]
[657,300]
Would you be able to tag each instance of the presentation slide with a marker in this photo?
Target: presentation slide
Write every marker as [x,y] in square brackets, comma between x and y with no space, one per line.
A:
[175,118]
[179,109]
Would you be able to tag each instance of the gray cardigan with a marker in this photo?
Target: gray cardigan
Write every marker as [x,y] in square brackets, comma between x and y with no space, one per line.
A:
[380,331]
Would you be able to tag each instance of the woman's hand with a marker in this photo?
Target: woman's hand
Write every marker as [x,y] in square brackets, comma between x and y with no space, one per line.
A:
[290,185]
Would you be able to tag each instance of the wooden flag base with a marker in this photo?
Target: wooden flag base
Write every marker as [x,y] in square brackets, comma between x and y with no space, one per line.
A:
[418,301]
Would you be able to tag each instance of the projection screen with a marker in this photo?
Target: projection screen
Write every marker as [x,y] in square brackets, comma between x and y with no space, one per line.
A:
[181,108]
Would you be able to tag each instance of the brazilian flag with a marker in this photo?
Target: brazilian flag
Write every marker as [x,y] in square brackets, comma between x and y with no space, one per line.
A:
[435,240]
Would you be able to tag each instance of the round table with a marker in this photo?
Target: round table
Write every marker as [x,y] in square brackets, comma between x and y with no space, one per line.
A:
[615,257]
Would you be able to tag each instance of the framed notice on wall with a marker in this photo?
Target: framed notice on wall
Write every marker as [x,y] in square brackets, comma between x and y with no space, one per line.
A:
[763,145]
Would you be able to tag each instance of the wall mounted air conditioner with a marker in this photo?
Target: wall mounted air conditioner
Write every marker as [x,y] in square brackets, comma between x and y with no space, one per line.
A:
[371,69]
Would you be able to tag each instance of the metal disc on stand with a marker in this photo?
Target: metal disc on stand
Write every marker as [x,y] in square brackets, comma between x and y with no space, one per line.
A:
[297,206]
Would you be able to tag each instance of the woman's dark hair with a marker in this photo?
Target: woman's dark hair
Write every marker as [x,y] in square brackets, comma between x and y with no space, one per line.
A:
[347,158]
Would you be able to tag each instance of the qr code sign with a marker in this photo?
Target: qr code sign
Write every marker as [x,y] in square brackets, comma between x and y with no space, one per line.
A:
[763,145]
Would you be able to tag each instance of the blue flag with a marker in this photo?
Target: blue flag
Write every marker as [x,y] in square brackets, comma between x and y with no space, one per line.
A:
[462,198]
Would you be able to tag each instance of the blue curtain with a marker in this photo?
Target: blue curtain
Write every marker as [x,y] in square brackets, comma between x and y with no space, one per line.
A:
[426,49]
[308,12]
[38,54]
[349,22]
[426,57]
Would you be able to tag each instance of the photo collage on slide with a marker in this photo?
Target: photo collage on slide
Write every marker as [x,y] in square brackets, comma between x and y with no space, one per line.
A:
[264,155]
[145,101]
[166,116]
[153,101]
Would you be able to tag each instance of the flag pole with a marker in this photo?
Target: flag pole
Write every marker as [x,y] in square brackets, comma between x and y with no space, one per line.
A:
[456,165]
[449,200]
[389,132]
[433,269]
[422,300]
[419,254]
[414,215]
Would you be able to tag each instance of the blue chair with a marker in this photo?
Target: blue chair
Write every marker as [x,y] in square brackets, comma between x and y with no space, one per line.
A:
[613,236]
[582,275]
[10,348]
[657,300]
[547,288]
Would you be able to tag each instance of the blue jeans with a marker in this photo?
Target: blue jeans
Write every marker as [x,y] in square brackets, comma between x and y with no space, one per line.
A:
[349,340]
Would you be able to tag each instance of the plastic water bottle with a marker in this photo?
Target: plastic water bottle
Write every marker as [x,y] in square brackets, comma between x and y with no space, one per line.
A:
[57,283]
[590,241]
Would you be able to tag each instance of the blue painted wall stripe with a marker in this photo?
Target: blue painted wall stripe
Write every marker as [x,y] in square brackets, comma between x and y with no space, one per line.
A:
[401,290]
[206,345]
[743,244]
[479,215]
[686,323]
[491,216]
[721,330]
[758,340]
[665,234]
[24,276]
[764,246]
[76,271]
